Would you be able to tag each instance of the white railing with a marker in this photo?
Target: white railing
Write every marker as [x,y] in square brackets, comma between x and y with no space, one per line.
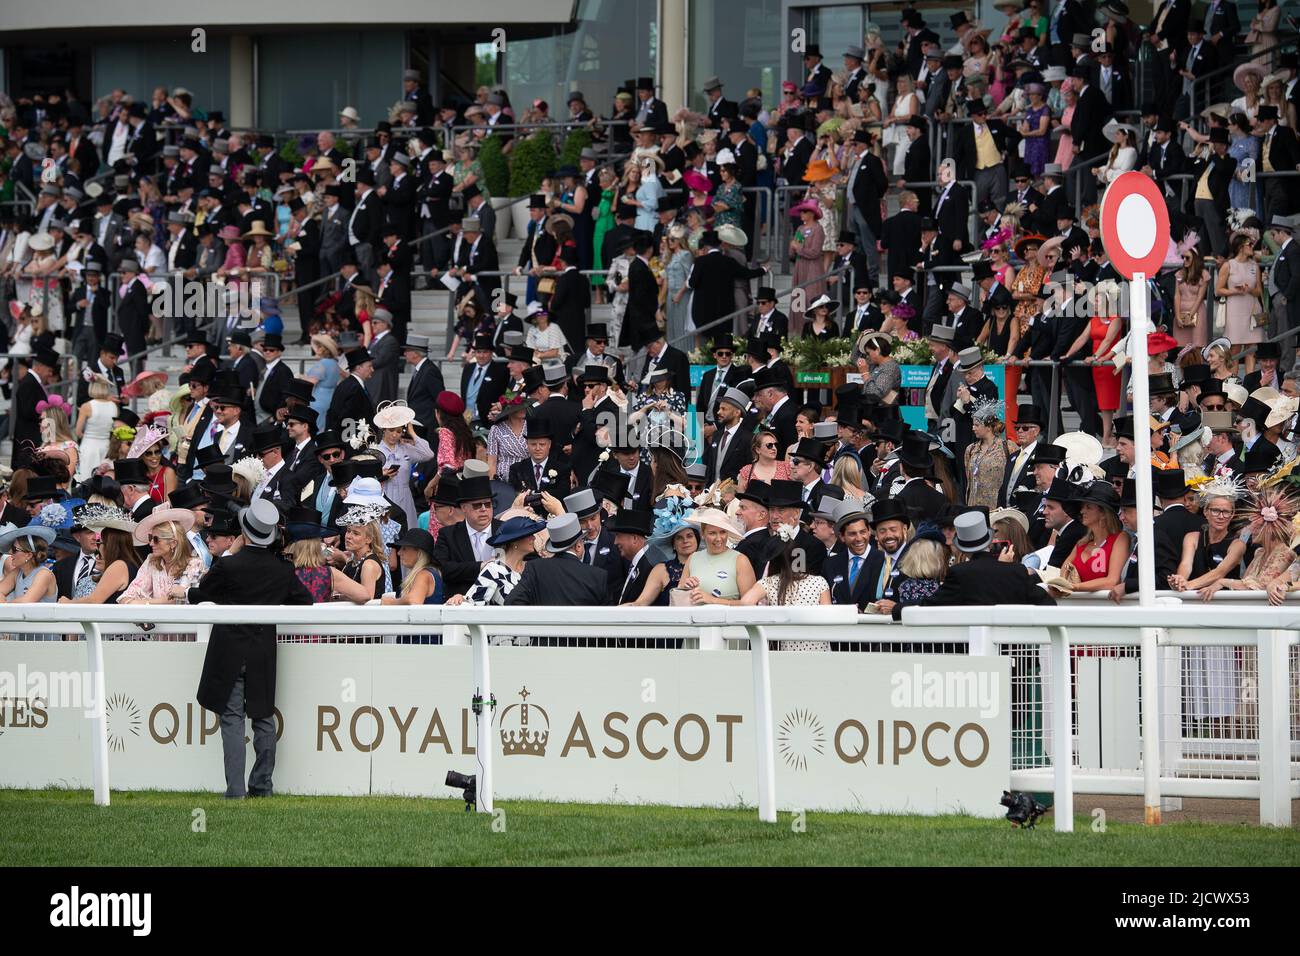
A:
[1173,762]
[1269,633]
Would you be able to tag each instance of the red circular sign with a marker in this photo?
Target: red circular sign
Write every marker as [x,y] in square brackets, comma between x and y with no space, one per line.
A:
[1135,225]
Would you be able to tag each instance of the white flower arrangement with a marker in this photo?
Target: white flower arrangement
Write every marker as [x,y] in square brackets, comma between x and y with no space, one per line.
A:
[787,532]
[52,515]
[552,474]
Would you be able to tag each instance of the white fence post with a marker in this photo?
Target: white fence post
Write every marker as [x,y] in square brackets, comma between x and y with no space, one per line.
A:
[1150,725]
[454,635]
[99,719]
[711,639]
[765,750]
[980,642]
[483,687]
[1274,730]
[1062,732]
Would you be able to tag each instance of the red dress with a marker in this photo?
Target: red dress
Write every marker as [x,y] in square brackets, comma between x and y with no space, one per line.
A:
[1104,379]
[1095,564]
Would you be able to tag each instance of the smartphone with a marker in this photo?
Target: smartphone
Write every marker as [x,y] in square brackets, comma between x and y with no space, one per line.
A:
[999,546]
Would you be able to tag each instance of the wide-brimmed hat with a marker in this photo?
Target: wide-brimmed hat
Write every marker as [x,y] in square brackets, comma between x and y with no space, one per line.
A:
[396,414]
[717,519]
[97,517]
[1248,69]
[327,343]
[809,205]
[513,529]
[259,229]
[10,535]
[181,516]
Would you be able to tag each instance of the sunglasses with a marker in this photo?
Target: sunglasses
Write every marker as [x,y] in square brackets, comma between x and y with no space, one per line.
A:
[768,444]
[329,455]
[721,354]
[477,504]
[1215,407]
[1022,428]
[155,539]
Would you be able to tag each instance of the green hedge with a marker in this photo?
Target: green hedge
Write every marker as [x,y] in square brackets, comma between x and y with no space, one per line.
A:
[574,144]
[530,160]
[496,170]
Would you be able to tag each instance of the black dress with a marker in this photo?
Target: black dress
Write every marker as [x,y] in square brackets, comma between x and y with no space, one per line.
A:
[353,570]
[832,331]
[998,341]
[1209,556]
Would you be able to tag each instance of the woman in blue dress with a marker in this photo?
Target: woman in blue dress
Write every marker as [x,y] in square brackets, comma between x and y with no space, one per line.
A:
[1241,194]
[325,374]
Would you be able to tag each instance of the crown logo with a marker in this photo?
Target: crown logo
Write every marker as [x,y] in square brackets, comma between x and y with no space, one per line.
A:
[517,737]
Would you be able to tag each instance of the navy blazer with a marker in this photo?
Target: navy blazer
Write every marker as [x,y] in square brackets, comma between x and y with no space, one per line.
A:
[836,573]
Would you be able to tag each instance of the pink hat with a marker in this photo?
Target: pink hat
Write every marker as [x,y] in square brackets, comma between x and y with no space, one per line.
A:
[809,205]
[230,232]
[697,181]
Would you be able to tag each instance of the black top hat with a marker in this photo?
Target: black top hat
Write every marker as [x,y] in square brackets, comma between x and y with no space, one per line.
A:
[113,343]
[1265,350]
[1197,374]
[301,389]
[272,340]
[1123,427]
[207,455]
[1213,387]
[914,452]
[1169,482]
[477,488]
[1162,384]
[358,357]
[632,521]
[958,20]
[187,496]
[302,522]
[306,415]
[1256,410]
[226,394]
[240,337]
[41,487]
[983,270]
[783,493]
[610,484]
[889,509]
[810,449]
[329,439]
[47,357]
[535,427]
[1047,454]
[756,491]
[1062,490]
[129,471]
[267,438]
[1030,415]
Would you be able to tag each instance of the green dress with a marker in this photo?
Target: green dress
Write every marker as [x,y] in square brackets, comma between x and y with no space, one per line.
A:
[604,222]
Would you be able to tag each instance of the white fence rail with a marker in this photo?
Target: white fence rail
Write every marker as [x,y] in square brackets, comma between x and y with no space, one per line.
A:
[1117,688]
[1258,761]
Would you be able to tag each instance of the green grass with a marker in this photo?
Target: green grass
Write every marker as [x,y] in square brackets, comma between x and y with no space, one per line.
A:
[62,827]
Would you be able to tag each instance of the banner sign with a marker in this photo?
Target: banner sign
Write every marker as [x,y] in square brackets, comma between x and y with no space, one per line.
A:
[914,733]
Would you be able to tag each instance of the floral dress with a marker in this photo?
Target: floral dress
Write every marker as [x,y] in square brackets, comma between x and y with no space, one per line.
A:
[656,425]
[1036,147]
[731,194]
[508,448]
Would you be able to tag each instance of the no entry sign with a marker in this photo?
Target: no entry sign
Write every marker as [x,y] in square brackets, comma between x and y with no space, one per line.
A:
[1134,225]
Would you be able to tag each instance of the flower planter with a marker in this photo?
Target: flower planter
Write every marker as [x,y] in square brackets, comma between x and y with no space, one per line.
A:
[828,378]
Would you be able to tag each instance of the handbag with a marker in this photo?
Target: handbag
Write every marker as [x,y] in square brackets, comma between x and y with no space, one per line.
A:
[546,286]
[1220,315]
[1186,320]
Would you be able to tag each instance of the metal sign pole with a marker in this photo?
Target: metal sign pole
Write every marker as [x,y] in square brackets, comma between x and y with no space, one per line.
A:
[1137,342]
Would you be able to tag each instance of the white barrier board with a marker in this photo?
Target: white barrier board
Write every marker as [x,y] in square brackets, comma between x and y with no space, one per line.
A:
[919,733]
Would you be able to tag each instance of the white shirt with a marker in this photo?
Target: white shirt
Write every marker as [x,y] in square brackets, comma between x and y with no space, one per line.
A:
[267,479]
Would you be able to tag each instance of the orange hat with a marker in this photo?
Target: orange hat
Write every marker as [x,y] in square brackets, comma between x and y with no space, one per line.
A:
[817,171]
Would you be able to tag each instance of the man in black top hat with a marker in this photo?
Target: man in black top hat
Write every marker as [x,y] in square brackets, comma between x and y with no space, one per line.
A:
[544,469]
[786,506]
[713,281]
[43,371]
[106,364]
[1020,474]
[482,381]
[134,481]
[133,313]
[300,455]
[352,402]
[238,679]
[462,549]
[922,501]
[1213,175]
[766,317]
[276,377]
[570,303]
[772,398]
[631,528]
[806,463]
[1029,500]
[1061,516]
[724,375]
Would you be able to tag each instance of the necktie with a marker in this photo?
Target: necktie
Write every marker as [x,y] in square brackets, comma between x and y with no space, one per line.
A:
[854,567]
[537,474]
[722,454]
[589,553]
[884,577]
[87,565]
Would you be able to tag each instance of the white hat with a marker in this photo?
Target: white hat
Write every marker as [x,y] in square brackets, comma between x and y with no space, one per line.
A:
[725,157]
[365,491]
[351,113]
[393,415]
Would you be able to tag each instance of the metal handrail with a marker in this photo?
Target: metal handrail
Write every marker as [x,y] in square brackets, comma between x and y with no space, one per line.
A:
[732,316]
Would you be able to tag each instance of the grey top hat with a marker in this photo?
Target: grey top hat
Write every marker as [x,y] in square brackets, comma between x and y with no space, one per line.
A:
[698,471]
[946,334]
[971,357]
[554,373]
[258,522]
[581,503]
[589,152]
[382,315]
[712,83]
[1053,169]
[173,151]
[1282,223]
[401,159]
[973,534]
[128,265]
[418,343]
[564,530]
[848,511]
[512,338]
[471,224]
[856,52]
[178,219]
[824,430]
[960,290]
[411,75]
[734,396]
